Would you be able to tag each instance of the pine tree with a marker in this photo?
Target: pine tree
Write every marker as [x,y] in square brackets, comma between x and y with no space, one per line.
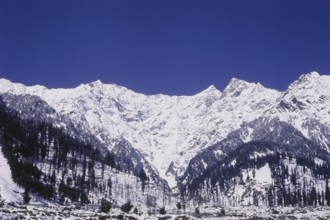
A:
[313,197]
[53,178]
[26,195]
[197,212]
[126,207]
[162,211]
[2,201]
[105,206]
[327,193]
[143,177]
[179,206]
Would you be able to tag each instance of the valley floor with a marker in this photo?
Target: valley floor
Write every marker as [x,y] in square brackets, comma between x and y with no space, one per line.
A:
[14,211]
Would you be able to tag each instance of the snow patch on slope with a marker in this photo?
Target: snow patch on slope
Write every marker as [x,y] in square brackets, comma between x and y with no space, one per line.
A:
[263,175]
[8,189]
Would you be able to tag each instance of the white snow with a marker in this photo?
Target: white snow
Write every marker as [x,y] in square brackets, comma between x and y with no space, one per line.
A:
[248,136]
[8,189]
[313,91]
[263,175]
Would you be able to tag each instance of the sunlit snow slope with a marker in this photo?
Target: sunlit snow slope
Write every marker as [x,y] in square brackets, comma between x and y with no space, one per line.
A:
[9,191]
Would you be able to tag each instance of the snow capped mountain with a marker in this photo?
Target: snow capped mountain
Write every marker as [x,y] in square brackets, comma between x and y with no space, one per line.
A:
[171,130]
[304,105]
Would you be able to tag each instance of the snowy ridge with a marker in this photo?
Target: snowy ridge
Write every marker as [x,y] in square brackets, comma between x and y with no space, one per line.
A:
[170,130]
[304,106]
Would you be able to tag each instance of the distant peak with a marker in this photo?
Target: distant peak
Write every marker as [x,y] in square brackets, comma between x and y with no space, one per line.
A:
[236,85]
[96,83]
[92,85]
[311,75]
[5,81]
[8,86]
[235,82]
[211,90]
[314,74]
[305,79]
[234,79]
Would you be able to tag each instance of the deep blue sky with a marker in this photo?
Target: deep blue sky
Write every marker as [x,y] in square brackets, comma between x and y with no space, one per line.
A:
[163,46]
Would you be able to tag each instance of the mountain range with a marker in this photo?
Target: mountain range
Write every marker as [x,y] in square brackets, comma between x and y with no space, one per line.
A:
[245,145]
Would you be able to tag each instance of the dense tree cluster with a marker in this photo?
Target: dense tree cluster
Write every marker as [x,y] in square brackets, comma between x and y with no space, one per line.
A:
[26,143]
[291,185]
[45,159]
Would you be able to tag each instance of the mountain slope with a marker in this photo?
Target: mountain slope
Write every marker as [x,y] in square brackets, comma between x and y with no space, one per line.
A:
[58,167]
[171,130]
[304,105]
[168,131]
[247,145]
[9,191]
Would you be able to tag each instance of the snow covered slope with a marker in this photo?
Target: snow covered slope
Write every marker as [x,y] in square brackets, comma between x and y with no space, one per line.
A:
[305,105]
[9,191]
[170,130]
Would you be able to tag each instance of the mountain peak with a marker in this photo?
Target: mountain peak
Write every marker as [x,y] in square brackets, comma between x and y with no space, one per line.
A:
[211,90]
[234,82]
[96,83]
[309,76]
[211,87]
[5,82]
[8,86]
[306,79]
[236,86]
[314,74]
